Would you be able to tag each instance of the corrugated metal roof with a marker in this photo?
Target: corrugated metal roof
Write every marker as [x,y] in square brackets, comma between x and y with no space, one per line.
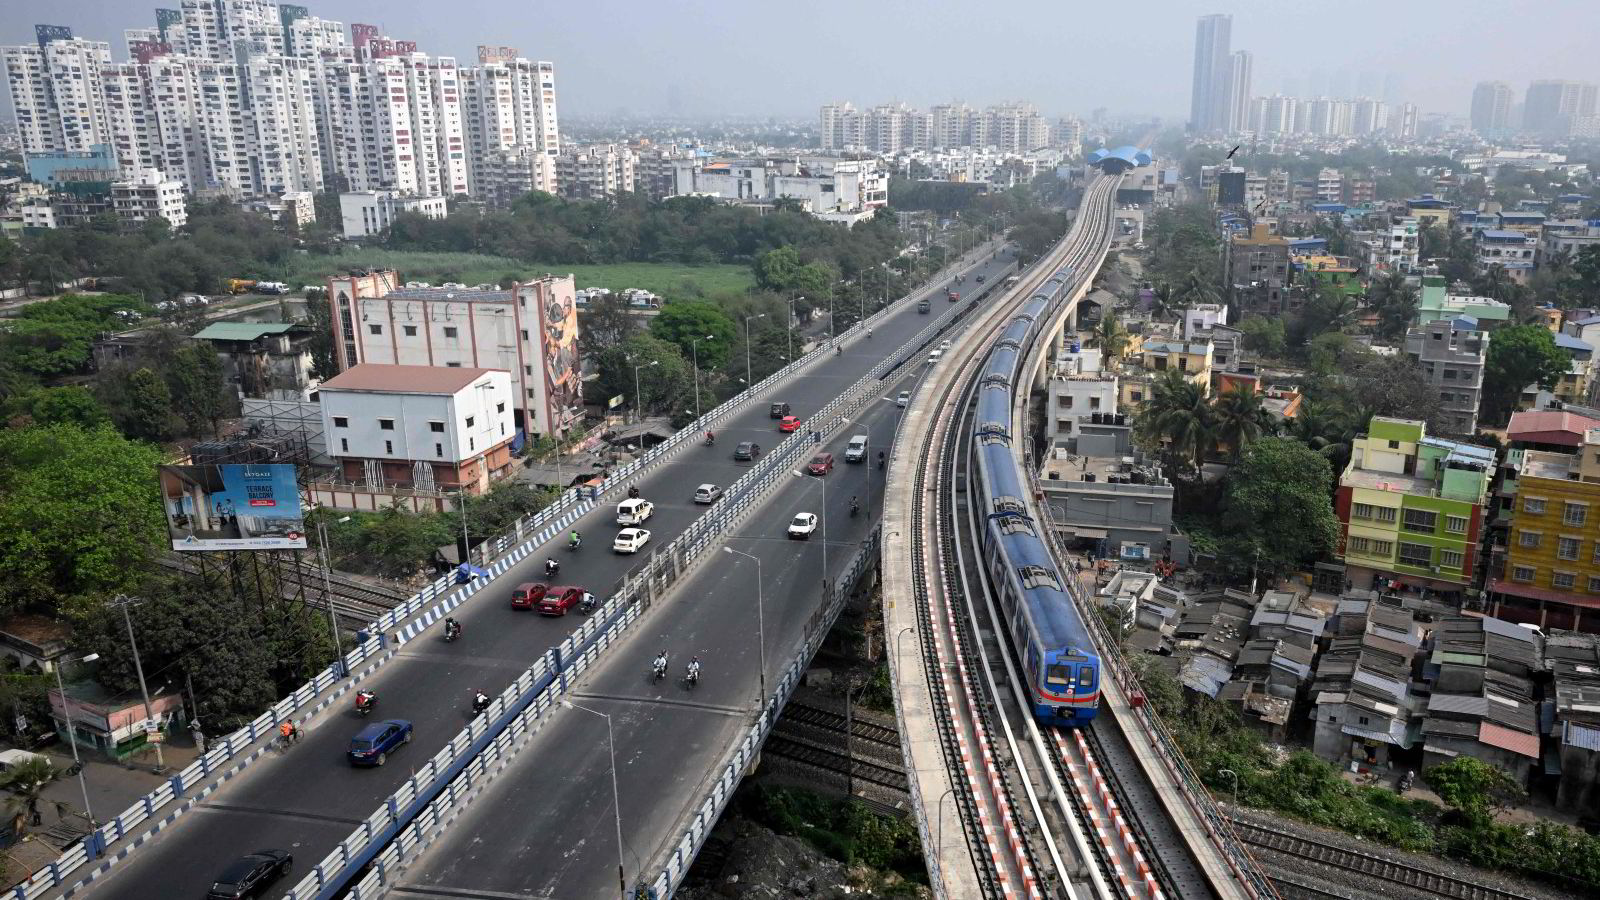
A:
[1461,704]
[1390,686]
[1518,742]
[241,331]
[1577,734]
[1507,629]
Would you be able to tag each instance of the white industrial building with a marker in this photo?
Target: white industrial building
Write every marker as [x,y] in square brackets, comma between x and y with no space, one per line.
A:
[149,195]
[530,331]
[420,427]
[366,213]
[845,189]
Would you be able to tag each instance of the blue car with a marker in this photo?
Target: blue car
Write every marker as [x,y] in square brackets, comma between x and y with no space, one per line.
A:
[372,745]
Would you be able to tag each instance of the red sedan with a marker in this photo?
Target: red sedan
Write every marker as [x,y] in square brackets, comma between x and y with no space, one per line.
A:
[558,600]
[527,595]
[788,423]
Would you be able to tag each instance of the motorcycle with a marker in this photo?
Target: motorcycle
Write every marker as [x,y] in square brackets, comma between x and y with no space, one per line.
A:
[365,702]
[479,704]
[692,676]
[658,669]
[711,440]
[551,568]
[854,508]
[451,632]
[1406,780]
[588,604]
[633,492]
[574,543]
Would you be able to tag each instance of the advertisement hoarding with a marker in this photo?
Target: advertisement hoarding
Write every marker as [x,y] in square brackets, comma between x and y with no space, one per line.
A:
[233,507]
[563,376]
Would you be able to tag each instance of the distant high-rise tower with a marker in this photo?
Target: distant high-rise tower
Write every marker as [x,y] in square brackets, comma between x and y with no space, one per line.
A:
[1238,91]
[1208,102]
[1551,107]
[1491,107]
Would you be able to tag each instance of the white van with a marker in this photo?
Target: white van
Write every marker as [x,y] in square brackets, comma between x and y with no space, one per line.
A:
[856,450]
[634,511]
[935,355]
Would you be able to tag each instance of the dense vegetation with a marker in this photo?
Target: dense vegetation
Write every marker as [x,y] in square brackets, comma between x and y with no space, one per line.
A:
[845,830]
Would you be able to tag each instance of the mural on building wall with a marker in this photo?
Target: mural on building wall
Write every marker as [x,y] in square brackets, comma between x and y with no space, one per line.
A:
[558,316]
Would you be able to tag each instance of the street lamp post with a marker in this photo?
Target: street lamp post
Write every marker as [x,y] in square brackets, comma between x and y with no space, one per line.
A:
[790,329]
[749,382]
[124,601]
[940,843]
[694,351]
[638,398]
[761,625]
[1235,776]
[823,518]
[327,590]
[72,733]
[616,795]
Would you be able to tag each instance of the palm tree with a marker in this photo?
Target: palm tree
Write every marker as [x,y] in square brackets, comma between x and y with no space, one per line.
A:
[1195,291]
[1238,418]
[1161,301]
[1396,303]
[25,783]
[1111,337]
[1328,429]
[1178,417]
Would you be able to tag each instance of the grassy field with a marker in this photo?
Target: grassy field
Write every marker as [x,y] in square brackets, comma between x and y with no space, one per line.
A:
[670,280]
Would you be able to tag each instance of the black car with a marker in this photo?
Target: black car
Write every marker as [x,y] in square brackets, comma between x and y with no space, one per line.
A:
[747,450]
[980,279]
[778,410]
[251,875]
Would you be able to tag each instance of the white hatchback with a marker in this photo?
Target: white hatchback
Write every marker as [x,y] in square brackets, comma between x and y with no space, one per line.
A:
[629,540]
[802,526]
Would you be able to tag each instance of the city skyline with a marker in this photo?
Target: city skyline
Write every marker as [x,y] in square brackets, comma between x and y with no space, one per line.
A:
[612,54]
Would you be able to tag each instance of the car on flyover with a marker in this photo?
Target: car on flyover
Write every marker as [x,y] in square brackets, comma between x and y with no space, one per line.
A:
[747,450]
[634,511]
[821,464]
[630,540]
[902,400]
[802,526]
[707,493]
[372,745]
[789,424]
[251,875]
[528,594]
[557,600]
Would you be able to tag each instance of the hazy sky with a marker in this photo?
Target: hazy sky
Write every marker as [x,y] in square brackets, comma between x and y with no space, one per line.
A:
[1066,56]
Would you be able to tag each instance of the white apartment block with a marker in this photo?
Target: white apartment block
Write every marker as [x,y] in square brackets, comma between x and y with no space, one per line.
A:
[253,99]
[596,172]
[891,129]
[366,213]
[530,331]
[1080,389]
[844,190]
[149,195]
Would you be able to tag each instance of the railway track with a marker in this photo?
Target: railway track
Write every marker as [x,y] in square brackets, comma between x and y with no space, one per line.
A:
[857,768]
[828,720]
[353,600]
[1418,881]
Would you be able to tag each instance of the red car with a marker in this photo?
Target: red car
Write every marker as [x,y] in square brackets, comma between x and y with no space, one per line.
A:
[788,423]
[527,595]
[821,464]
[558,600]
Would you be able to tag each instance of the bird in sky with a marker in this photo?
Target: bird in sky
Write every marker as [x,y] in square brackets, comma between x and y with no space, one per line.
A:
[1233,151]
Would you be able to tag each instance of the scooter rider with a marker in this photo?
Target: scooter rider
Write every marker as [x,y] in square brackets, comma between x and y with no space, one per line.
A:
[480,701]
[452,628]
[855,506]
[660,664]
[711,438]
[694,670]
[365,700]
[633,492]
[575,540]
[551,567]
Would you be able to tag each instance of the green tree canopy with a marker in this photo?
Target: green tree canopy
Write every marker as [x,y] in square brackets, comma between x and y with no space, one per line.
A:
[1519,355]
[661,388]
[700,329]
[1474,788]
[79,513]
[1239,419]
[72,405]
[1277,506]
[1178,418]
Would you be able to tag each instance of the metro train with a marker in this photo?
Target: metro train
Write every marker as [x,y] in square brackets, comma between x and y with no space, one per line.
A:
[1051,639]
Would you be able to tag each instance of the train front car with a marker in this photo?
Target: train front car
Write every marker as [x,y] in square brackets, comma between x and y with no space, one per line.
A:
[1062,663]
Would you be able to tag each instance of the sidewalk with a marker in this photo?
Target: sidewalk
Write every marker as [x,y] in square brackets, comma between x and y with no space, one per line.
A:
[113,786]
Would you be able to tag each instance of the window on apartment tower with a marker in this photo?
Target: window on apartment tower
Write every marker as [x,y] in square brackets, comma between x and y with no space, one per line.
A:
[1575,514]
[449,331]
[386,424]
[1533,505]
[1386,514]
[1563,580]
[344,445]
[1567,548]
[1529,539]
[341,422]
[375,329]
[411,330]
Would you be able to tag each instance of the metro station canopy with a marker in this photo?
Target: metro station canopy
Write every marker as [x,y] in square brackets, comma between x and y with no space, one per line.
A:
[1120,160]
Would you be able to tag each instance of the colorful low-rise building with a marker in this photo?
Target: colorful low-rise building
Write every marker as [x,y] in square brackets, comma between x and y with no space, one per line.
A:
[1411,510]
[1191,358]
[1551,574]
[1436,303]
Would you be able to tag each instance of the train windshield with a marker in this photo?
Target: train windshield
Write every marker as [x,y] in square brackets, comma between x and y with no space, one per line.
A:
[1058,675]
[1086,676]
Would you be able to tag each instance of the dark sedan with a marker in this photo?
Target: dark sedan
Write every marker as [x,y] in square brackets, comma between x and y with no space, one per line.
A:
[251,875]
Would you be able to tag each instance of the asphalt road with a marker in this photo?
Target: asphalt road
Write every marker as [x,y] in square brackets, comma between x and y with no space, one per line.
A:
[309,799]
[555,801]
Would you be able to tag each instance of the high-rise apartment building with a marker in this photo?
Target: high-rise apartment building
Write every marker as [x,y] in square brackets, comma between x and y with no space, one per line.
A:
[248,97]
[1491,107]
[1213,73]
[595,172]
[1239,65]
[1553,107]
[894,128]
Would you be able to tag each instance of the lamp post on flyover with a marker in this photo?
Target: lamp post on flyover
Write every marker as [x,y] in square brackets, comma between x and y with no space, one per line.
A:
[72,732]
[123,601]
[748,381]
[694,351]
[616,795]
[761,625]
[327,589]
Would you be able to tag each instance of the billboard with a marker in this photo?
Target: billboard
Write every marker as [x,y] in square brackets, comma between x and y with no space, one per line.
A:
[563,376]
[233,507]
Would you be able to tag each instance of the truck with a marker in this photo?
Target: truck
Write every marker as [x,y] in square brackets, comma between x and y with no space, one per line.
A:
[271,287]
[240,285]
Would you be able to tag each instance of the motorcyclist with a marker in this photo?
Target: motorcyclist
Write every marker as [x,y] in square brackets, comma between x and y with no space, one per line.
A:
[480,701]
[452,628]
[711,438]
[869,332]
[365,699]
[551,567]
[838,350]
[880,459]
[588,601]
[660,664]
[633,492]
[855,506]
[575,539]
[694,669]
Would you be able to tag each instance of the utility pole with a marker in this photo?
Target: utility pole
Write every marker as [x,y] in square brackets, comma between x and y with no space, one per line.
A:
[123,602]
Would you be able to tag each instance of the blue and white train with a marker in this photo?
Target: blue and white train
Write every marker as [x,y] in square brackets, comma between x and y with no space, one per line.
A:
[1063,670]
